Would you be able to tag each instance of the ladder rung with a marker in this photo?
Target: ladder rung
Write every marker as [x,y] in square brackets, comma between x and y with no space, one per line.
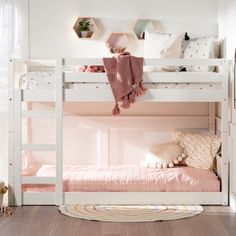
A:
[38,114]
[38,180]
[38,147]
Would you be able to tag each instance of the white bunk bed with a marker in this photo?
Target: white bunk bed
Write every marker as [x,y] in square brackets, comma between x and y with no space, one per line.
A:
[64,74]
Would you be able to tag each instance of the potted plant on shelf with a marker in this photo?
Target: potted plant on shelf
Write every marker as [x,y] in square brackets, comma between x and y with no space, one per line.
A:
[85,28]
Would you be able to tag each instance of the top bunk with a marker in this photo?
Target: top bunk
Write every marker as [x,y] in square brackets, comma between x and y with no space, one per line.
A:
[42,80]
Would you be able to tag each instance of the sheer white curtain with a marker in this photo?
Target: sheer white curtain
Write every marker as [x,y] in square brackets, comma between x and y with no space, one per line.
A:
[13,35]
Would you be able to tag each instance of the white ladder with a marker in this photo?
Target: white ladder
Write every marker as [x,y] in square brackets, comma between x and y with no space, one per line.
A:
[18,147]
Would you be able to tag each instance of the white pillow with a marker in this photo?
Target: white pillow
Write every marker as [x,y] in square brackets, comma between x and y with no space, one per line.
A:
[163,45]
[201,48]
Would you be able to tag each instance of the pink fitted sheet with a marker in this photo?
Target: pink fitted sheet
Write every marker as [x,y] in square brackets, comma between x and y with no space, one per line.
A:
[127,178]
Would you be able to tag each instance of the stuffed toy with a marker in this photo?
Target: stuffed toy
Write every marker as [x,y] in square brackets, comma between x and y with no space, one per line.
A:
[91,68]
[4,189]
[7,211]
[116,49]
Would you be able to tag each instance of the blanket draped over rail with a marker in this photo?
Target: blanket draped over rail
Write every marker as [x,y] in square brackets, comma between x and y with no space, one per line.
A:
[125,75]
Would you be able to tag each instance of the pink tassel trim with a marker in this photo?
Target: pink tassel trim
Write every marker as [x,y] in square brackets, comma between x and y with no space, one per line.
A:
[143,88]
[116,110]
[132,97]
[138,91]
[126,103]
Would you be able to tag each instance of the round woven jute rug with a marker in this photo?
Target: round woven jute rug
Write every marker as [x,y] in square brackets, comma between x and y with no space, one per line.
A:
[131,213]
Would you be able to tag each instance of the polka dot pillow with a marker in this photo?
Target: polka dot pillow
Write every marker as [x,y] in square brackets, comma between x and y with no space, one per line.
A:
[201,48]
[201,150]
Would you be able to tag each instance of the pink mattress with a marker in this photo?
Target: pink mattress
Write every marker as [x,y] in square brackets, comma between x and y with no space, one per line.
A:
[127,178]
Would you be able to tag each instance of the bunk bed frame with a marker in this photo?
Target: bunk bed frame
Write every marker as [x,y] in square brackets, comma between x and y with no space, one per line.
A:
[60,95]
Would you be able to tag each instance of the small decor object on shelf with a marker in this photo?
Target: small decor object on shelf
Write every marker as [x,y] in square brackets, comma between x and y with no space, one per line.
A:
[91,68]
[85,27]
[117,42]
[116,50]
[141,25]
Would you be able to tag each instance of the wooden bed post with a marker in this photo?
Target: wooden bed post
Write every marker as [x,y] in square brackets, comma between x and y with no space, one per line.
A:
[225,134]
[18,147]
[11,99]
[15,139]
[59,131]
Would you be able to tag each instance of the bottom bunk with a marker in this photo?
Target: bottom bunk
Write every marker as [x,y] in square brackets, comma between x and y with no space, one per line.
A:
[107,176]
[123,184]
[125,178]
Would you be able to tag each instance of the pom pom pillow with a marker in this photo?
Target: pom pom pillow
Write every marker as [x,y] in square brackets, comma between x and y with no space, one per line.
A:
[164,155]
[201,150]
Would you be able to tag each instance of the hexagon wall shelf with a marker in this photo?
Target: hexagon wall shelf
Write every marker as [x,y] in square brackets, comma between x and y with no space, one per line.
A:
[85,27]
[117,42]
[141,25]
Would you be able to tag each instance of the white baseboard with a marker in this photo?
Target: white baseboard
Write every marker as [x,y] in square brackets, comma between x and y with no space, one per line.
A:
[232,202]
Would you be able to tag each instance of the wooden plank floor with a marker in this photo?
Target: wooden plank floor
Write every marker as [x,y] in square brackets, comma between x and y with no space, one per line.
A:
[46,220]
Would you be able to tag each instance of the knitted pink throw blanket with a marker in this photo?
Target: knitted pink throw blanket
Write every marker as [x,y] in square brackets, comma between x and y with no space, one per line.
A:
[125,75]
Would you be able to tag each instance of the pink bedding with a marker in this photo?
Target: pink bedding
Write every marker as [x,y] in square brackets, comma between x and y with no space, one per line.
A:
[128,179]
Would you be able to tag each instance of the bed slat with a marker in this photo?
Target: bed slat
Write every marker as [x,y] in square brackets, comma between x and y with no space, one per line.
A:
[48,198]
[38,95]
[160,77]
[38,180]
[38,147]
[183,62]
[160,95]
[38,114]
[42,198]
[207,198]
[147,61]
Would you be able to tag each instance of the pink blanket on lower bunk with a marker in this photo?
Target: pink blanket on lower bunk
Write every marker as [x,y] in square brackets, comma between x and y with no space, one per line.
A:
[127,179]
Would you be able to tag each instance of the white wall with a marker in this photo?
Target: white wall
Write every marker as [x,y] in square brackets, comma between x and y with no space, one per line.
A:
[51,23]
[227,19]
[3,146]
[16,44]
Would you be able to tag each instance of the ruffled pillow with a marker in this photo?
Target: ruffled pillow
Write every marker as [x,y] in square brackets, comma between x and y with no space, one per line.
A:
[163,45]
[201,149]
[164,155]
